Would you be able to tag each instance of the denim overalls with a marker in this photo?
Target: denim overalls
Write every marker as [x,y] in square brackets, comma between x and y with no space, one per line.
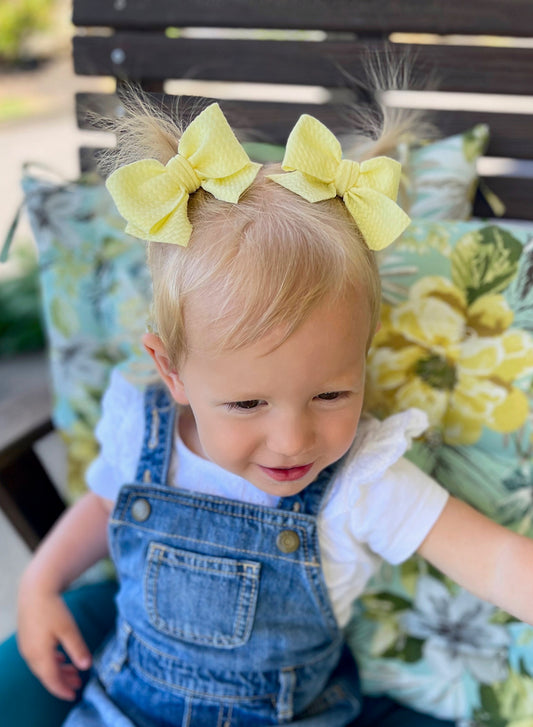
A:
[224,619]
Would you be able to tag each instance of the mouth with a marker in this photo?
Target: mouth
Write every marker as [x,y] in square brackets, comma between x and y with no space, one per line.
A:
[286,474]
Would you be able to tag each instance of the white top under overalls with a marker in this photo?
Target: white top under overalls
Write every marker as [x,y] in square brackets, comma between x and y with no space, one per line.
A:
[380,505]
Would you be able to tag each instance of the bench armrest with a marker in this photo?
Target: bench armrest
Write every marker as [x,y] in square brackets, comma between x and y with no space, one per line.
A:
[27,495]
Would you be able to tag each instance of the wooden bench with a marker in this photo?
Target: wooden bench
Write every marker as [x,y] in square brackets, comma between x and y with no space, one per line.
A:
[163,45]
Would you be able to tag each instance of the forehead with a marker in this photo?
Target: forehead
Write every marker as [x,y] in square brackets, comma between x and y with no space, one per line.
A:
[215,326]
[330,343]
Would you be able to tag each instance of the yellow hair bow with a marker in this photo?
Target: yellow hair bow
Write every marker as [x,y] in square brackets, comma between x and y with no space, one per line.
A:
[313,158]
[153,197]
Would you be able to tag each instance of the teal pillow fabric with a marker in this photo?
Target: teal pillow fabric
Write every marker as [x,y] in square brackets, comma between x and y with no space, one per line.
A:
[264,153]
[440,178]
[457,341]
[96,296]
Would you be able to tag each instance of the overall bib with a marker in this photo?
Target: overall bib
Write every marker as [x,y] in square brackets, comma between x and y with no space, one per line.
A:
[224,618]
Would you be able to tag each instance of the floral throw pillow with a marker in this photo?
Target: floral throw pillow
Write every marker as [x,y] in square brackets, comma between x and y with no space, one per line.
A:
[440,179]
[456,341]
[96,293]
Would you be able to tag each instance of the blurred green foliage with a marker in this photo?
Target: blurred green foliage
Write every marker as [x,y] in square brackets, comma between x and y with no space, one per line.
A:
[18,20]
[21,327]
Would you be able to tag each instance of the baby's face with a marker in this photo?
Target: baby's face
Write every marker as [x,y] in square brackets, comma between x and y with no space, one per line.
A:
[277,416]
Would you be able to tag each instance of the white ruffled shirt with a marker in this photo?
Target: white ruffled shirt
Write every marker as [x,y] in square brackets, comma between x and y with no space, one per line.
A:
[380,505]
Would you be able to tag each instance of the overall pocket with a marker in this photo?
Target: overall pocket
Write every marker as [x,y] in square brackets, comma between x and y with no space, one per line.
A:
[200,599]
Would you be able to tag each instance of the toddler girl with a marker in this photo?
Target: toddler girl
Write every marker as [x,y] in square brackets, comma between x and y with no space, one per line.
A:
[245,497]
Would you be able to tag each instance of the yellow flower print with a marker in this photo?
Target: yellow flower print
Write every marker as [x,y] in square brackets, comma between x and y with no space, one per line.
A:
[458,362]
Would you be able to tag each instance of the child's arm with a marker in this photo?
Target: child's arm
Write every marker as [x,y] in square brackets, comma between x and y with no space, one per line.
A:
[487,559]
[77,541]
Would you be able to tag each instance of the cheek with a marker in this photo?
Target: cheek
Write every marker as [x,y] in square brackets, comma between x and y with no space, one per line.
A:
[341,433]
[223,440]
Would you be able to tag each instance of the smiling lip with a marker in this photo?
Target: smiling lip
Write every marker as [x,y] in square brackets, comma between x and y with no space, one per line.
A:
[286,474]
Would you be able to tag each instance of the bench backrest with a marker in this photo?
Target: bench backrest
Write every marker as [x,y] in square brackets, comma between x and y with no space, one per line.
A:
[478,47]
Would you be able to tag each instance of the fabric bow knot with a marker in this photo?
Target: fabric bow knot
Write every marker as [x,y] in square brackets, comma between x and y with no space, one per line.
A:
[316,171]
[153,197]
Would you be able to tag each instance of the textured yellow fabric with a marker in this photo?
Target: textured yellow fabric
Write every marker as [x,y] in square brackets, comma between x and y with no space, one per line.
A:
[153,197]
[316,171]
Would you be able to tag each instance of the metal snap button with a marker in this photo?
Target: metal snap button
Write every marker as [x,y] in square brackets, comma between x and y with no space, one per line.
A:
[140,510]
[288,541]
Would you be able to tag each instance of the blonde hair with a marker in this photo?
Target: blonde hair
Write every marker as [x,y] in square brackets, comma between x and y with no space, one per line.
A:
[261,264]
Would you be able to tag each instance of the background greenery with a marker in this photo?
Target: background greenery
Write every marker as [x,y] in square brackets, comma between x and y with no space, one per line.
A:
[21,328]
[19,19]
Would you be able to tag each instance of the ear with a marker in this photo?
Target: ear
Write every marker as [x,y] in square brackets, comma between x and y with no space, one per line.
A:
[154,345]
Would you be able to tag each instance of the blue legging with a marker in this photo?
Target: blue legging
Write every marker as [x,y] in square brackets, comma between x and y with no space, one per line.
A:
[24,702]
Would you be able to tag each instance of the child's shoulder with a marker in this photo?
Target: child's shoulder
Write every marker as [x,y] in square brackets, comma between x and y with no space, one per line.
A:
[380,498]
[123,407]
[119,390]
[121,426]
[128,382]
[378,448]
[119,434]
[385,441]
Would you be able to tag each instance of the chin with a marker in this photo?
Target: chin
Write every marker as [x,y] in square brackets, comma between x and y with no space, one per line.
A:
[283,489]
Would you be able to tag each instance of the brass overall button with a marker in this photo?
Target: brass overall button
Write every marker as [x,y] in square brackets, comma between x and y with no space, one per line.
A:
[288,541]
[140,510]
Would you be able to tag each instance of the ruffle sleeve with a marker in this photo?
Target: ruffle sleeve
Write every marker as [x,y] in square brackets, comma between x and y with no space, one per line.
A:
[379,504]
[119,434]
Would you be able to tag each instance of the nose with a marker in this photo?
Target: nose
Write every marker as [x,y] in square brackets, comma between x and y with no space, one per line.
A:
[291,434]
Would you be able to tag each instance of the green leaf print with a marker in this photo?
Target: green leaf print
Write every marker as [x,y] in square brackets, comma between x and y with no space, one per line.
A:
[475,142]
[485,261]
[519,294]
[385,603]
[506,703]
[408,649]
[64,318]
[489,711]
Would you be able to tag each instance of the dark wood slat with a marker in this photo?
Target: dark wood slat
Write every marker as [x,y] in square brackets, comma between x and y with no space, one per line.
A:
[24,418]
[88,158]
[151,56]
[492,17]
[516,193]
[256,121]
[28,497]
[511,134]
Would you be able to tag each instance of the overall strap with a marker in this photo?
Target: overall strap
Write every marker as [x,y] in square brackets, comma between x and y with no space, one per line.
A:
[309,500]
[158,438]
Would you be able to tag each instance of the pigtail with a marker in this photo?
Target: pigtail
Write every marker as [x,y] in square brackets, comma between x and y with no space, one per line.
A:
[378,128]
[143,131]
[381,129]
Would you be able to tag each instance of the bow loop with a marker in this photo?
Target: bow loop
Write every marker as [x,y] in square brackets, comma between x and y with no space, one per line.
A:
[153,197]
[316,172]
